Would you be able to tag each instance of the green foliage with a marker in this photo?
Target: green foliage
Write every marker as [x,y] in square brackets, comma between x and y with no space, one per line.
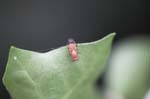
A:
[53,75]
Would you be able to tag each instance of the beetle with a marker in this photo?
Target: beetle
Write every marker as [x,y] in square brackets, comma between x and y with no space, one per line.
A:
[72,48]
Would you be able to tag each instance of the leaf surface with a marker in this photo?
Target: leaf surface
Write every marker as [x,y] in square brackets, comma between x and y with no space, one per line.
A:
[53,75]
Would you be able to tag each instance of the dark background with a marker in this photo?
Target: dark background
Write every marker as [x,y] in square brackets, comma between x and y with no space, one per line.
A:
[40,25]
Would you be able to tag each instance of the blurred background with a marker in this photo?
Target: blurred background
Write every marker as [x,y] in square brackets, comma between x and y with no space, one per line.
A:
[40,25]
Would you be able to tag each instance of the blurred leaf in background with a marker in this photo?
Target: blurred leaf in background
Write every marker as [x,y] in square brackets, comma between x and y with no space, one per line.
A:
[129,71]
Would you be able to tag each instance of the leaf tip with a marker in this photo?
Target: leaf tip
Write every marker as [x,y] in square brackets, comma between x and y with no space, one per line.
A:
[12,47]
[108,37]
[111,35]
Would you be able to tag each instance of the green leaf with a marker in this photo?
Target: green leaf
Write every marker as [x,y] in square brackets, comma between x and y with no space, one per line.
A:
[53,75]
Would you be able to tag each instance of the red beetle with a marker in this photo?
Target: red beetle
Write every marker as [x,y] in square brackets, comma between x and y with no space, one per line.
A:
[72,48]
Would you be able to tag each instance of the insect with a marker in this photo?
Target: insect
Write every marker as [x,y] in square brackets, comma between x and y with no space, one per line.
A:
[72,48]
